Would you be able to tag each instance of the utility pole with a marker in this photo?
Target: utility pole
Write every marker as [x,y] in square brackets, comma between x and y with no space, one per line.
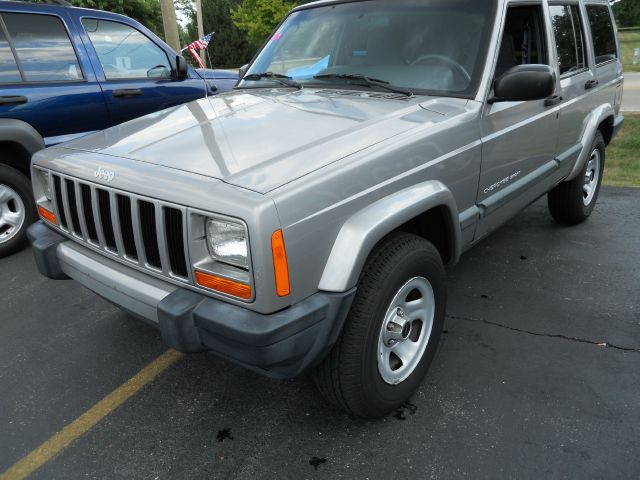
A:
[203,55]
[170,23]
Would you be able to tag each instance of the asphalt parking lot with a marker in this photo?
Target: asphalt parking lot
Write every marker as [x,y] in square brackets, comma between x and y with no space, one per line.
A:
[537,377]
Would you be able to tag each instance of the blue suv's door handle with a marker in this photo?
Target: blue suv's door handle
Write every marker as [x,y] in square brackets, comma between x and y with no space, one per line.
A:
[127,92]
[13,99]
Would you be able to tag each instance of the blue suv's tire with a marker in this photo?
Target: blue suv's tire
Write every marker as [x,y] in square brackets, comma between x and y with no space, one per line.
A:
[17,210]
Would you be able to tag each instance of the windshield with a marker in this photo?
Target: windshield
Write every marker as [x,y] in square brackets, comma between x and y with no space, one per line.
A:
[425,46]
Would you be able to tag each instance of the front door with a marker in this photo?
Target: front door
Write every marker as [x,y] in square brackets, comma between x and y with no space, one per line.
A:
[519,138]
[137,72]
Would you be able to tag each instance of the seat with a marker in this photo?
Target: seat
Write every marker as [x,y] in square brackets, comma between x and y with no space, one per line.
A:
[507,58]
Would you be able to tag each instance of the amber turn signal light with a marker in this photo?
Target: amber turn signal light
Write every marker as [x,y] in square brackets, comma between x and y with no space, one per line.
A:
[280,265]
[47,215]
[222,285]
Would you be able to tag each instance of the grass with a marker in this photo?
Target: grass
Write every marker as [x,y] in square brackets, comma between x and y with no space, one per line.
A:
[629,39]
[623,155]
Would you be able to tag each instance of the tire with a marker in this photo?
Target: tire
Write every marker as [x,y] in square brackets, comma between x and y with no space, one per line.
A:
[351,377]
[17,210]
[571,203]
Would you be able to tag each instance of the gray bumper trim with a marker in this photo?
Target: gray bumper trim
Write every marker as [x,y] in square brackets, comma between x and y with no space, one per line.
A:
[281,345]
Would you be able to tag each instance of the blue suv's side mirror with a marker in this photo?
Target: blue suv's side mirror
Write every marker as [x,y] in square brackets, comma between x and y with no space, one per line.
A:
[182,69]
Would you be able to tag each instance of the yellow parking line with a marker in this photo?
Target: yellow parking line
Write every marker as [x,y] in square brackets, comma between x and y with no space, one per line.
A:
[90,418]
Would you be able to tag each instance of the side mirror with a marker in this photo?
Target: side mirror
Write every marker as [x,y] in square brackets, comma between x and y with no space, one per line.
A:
[182,68]
[524,83]
[242,71]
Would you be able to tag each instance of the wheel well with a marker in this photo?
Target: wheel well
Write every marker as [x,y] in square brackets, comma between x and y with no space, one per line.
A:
[606,127]
[435,226]
[16,156]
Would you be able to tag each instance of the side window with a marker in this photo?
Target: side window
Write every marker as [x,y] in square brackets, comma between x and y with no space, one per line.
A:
[604,40]
[565,20]
[9,72]
[43,47]
[124,52]
[522,40]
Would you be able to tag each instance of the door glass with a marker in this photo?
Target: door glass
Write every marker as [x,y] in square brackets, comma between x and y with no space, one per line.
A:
[8,69]
[522,40]
[124,52]
[565,20]
[43,47]
[604,40]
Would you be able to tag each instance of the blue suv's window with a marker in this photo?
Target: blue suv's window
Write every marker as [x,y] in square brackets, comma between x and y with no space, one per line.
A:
[9,72]
[43,47]
[124,52]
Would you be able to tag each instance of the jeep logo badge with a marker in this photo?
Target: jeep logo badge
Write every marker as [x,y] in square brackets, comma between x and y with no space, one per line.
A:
[106,175]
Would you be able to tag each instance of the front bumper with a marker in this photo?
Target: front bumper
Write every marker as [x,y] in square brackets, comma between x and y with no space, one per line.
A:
[281,345]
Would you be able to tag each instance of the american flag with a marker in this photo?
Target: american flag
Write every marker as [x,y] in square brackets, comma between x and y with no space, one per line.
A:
[198,45]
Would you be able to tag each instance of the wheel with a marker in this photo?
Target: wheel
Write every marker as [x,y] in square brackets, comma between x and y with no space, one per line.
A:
[572,202]
[392,331]
[17,210]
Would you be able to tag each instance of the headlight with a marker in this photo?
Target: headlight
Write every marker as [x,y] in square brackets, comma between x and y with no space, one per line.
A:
[227,242]
[43,178]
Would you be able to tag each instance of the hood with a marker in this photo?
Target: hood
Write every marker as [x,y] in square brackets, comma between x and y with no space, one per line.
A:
[263,139]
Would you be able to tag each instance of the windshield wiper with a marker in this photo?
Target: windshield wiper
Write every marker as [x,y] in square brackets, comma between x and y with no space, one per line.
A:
[278,77]
[371,82]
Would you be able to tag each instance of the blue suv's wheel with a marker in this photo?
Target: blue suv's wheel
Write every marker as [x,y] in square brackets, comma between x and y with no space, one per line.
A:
[17,210]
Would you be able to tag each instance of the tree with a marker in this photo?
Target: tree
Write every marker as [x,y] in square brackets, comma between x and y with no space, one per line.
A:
[258,18]
[147,12]
[627,13]
[229,47]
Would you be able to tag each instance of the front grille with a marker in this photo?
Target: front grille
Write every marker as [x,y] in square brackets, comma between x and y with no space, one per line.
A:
[141,231]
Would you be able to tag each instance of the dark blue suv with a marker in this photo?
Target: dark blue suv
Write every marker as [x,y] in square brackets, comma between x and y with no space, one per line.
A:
[66,72]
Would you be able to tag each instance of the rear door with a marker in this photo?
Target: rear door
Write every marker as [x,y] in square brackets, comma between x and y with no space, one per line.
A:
[45,80]
[577,80]
[606,53]
[136,73]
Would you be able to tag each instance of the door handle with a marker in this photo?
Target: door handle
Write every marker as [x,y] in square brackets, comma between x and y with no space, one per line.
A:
[591,84]
[553,101]
[127,92]
[13,100]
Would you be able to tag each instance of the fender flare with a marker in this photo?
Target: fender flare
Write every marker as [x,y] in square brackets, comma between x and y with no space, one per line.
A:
[360,233]
[589,131]
[17,131]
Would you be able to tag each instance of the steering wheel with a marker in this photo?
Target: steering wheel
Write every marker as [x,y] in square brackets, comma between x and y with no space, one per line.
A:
[443,59]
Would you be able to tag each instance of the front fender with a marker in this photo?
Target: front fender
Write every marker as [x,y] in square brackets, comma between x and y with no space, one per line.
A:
[360,234]
[589,132]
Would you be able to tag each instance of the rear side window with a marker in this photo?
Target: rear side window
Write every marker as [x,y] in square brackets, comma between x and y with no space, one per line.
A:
[43,47]
[124,52]
[604,40]
[9,72]
[567,30]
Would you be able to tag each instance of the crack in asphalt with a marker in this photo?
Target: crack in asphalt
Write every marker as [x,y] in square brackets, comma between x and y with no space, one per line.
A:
[547,335]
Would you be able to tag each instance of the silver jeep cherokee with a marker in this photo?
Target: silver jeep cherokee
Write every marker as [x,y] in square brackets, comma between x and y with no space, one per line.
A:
[302,222]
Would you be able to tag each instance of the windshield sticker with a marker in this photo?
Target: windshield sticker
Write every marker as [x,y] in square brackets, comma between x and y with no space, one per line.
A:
[277,36]
[302,73]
